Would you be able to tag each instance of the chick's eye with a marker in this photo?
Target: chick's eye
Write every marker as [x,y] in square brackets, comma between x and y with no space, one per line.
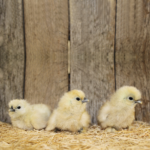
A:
[130,98]
[77,98]
[18,107]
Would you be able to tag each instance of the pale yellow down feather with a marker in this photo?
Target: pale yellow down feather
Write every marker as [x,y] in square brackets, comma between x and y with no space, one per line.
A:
[71,114]
[28,117]
[119,112]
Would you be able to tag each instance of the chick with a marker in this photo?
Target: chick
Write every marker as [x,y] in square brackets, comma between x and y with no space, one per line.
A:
[119,112]
[28,117]
[71,113]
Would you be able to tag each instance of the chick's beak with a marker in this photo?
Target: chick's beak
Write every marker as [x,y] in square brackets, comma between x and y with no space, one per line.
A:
[85,100]
[12,110]
[138,101]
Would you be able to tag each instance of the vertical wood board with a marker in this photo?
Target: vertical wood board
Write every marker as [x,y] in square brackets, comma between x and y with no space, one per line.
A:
[46,33]
[11,54]
[133,50]
[92,50]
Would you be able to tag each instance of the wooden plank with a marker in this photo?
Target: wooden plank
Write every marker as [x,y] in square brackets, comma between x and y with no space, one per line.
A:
[133,50]
[11,54]
[46,33]
[92,50]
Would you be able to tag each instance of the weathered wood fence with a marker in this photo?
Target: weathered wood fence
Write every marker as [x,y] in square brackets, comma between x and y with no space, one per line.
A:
[110,47]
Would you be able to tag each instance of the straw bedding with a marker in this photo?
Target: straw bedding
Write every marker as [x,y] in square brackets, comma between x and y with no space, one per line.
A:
[138,138]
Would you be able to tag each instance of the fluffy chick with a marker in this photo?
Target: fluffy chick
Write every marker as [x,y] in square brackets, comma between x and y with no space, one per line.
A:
[119,112]
[71,113]
[28,117]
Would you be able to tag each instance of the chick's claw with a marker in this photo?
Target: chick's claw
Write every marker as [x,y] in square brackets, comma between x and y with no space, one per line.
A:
[110,130]
[130,128]
[82,130]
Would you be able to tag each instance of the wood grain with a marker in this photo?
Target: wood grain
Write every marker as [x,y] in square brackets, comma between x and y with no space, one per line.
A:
[92,50]
[11,54]
[133,50]
[46,34]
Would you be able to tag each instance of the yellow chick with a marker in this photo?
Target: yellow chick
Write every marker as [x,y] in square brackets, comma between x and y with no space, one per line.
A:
[71,113]
[28,117]
[119,112]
